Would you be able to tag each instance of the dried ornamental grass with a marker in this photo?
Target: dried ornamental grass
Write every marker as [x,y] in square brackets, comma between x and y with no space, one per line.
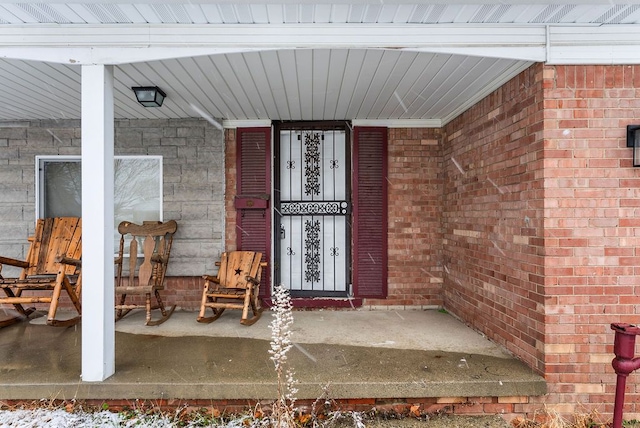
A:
[283,412]
[552,419]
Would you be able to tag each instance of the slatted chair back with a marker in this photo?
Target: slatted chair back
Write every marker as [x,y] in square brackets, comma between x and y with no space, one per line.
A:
[149,251]
[236,266]
[235,287]
[155,240]
[54,238]
[52,267]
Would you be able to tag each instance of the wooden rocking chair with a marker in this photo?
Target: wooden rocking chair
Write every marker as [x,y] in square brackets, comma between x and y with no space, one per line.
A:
[144,277]
[52,265]
[238,279]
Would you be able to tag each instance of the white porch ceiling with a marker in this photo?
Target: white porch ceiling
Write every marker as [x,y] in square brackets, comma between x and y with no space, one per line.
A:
[318,84]
[303,60]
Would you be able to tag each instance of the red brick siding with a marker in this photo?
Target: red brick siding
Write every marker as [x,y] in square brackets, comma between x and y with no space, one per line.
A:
[390,407]
[493,248]
[540,235]
[183,291]
[415,207]
[590,230]
[230,151]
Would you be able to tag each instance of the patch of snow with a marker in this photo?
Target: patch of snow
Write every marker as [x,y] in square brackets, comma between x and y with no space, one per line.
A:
[44,418]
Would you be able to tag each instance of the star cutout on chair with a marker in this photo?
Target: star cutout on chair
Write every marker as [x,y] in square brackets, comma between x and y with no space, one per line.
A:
[238,271]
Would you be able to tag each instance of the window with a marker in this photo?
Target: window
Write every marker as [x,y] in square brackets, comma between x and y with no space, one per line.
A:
[137,188]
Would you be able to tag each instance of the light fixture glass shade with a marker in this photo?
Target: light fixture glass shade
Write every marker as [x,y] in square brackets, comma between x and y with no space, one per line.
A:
[633,140]
[149,96]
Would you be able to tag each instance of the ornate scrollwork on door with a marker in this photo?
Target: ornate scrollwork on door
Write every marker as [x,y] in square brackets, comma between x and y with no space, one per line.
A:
[312,164]
[315,208]
[312,250]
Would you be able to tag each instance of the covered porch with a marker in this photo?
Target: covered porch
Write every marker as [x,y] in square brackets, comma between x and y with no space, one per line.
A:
[511,196]
[355,357]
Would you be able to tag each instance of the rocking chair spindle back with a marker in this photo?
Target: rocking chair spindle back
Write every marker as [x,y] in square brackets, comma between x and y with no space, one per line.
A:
[146,271]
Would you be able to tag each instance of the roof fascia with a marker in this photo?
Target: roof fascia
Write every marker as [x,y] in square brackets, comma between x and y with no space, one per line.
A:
[606,44]
[119,44]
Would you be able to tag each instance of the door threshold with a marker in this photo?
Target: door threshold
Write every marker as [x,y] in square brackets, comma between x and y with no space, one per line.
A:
[321,302]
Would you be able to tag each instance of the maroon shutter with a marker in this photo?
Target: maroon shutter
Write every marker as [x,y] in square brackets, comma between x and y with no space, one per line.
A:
[253,195]
[370,212]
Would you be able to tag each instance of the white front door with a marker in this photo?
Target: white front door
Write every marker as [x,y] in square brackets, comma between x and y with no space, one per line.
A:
[312,211]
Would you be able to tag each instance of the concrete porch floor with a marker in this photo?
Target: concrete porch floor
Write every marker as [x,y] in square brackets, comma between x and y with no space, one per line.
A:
[347,354]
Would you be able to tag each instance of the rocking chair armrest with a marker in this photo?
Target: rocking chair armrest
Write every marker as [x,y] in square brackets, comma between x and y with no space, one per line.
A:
[211,278]
[69,261]
[254,281]
[13,262]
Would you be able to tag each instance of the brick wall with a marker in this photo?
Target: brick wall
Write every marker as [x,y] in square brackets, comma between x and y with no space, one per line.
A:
[415,209]
[540,235]
[231,189]
[493,218]
[193,170]
[591,234]
[415,192]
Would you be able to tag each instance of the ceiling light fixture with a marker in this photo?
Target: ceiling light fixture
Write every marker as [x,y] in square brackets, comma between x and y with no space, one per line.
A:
[149,96]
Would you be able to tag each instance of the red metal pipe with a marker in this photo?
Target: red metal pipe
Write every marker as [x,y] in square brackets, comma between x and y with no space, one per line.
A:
[624,346]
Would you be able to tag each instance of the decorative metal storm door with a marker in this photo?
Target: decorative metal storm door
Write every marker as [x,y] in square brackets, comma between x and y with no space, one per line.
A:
[312,233]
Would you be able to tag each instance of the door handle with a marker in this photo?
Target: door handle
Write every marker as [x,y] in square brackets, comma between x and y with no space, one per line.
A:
[283,233]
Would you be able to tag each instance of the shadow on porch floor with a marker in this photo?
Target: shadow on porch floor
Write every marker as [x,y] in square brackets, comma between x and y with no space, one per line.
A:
[345,354]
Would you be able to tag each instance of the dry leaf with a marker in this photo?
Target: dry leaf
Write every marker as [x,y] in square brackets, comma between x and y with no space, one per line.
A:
[303,419]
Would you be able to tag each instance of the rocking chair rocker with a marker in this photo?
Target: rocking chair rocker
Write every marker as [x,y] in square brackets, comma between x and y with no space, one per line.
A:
[144,277]
[238,281]
[52,265]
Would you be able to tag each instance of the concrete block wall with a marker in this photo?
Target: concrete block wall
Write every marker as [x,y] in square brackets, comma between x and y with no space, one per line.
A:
[493,217]
[193,186]
[20,142]
[193,162]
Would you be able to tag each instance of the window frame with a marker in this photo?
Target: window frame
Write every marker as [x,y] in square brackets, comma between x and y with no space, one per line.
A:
[40,193]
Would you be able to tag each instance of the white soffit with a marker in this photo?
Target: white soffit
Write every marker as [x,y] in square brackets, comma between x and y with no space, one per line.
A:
[303,84]
[307,12]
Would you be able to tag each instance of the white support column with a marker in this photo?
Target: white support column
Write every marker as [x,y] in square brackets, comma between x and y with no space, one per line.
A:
[98,319]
